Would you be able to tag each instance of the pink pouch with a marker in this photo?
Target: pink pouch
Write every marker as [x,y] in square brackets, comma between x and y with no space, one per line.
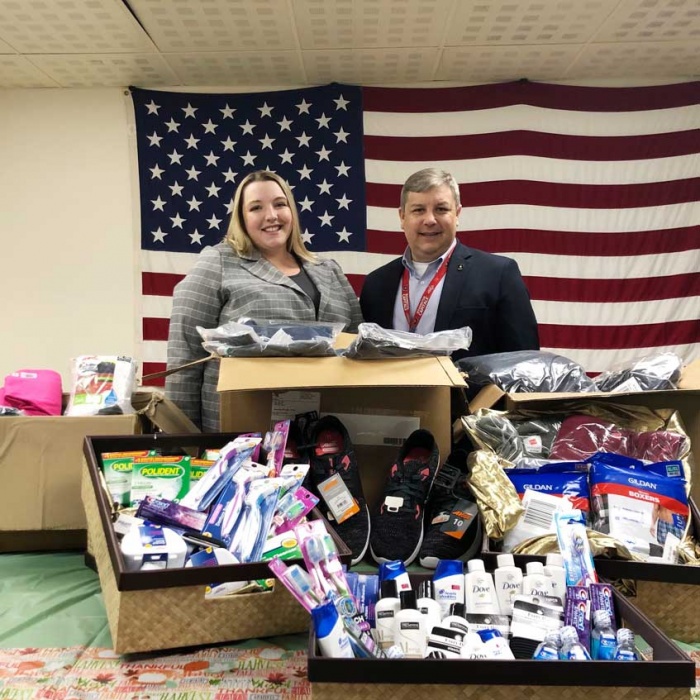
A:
[37,392]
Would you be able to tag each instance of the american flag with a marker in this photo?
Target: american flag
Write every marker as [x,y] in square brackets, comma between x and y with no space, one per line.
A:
[594,191]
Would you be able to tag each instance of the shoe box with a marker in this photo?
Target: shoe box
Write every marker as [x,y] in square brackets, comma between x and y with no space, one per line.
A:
[380,401]
[167,608]
[669,594]
[40,462]
[671,673]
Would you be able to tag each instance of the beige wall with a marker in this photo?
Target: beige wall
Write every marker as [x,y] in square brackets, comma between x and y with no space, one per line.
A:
[67,233]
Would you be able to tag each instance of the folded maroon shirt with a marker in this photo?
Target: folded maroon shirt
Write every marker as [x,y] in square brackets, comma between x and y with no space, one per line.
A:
[582,436]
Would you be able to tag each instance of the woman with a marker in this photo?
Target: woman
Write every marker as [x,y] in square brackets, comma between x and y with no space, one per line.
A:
[262,270]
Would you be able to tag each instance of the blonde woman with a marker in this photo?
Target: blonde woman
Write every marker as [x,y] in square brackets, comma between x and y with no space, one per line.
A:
[261,269]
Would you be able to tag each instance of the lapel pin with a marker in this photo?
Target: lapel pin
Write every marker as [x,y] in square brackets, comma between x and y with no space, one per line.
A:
[460,266]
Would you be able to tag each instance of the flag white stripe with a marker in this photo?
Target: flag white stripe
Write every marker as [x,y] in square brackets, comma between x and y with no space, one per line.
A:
[529,118]
[536,168]
[541,218]
[531,264]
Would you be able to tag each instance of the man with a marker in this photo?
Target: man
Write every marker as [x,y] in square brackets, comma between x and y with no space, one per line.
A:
[440,284]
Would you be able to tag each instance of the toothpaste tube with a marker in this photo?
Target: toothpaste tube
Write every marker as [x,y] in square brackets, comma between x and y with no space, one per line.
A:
[602,599]
[165,512]
[577,613]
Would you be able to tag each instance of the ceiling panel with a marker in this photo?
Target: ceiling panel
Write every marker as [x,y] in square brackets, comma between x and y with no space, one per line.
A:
[641,60]
[93,70]
[217,25]
[71,26]
[254,68]
[368,66]
[494,63]
[646,20]
[339,24]
[524,22]
[17,71]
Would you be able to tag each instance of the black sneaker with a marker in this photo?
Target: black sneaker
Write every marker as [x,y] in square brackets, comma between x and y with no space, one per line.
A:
[449,488]
[397,527]
[332,452]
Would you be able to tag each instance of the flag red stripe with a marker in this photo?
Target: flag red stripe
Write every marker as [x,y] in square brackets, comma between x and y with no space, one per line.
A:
[155,328]
[613,290]
[619,337]
[491,96]
[555,242]
[555,194]
[532,143]
[356,281]
[159,284]
[152,368]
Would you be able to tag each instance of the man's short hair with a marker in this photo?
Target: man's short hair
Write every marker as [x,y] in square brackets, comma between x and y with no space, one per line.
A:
[428,179]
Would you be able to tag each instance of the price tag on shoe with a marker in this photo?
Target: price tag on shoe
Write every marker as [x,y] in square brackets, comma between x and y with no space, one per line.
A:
[460,519]
[338,498]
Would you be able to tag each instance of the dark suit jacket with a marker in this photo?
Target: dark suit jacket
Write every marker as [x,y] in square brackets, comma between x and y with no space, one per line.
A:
[483,291]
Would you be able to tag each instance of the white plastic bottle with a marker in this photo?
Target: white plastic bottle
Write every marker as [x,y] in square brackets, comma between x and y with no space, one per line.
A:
[535,581]
[472,647]
[456,620]
[333,640]
[495,646]
[409,630]
[625,649]
[385,614]
[554,568]
[428,606]
[448,581]
[548,650]
[508,579]
[479,589]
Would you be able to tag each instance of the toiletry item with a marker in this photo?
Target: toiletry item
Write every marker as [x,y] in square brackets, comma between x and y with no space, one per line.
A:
[577,612]
[385,614]
[495,646]
[508,580]
[409,630]
[457,618]
[575,549]
[602,599]
[428,606]
[333,640]
[625,649]
[216,556]
[169,513]
[554,568]
[479,589]
[571,648]
[535,581]
[297,581]
[150,546]
[448,581]
[444,643]
[472,647]
[548,650]
[395,570]
[364,588]
[603,640]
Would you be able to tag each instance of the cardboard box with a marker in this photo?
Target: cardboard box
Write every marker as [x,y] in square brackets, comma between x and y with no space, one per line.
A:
[40,467]
[164,609]
[427,679]
[418,389]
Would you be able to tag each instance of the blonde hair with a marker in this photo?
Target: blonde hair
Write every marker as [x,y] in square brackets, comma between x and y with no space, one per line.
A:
[238,237]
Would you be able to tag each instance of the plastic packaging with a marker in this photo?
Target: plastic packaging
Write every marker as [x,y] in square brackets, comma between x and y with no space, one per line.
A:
[332,637]
[448,581]
[410,633]
[535,581]
[456,619]
[479,589]
[495,646]
[548,650]
[650,373]
[101,385]
[374,342]
[625,649]
[385,614]
[571,648]
[527,371]
[603,640]
[248,337]
[149,546]
[554,568]
[508,579]
[428,606]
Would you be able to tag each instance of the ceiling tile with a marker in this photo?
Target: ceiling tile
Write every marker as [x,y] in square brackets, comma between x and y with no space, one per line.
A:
[216,25]
[105,70]
[71,26]
[650,20]
[493,63]
[18,72]
[368,66]
[339,24]
[640,60]
[526,22]
[253,68]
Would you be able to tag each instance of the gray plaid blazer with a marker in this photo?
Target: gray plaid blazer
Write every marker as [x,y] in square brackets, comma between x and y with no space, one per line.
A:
[222,287]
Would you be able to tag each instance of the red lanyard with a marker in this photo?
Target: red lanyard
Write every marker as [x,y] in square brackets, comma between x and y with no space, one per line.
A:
[423,303]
